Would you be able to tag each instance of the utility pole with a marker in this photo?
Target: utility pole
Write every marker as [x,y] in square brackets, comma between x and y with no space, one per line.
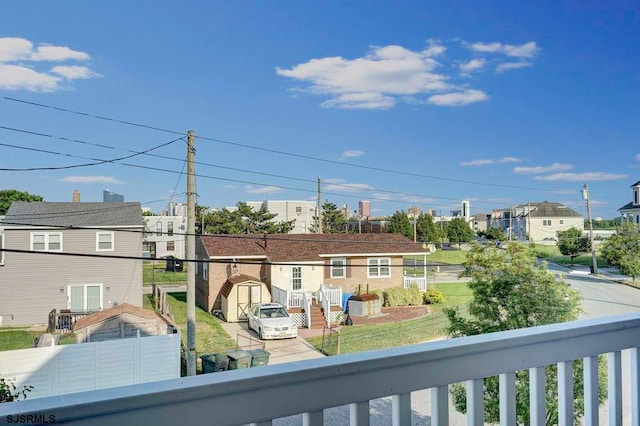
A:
[191,256]
[585,196]
[319,210]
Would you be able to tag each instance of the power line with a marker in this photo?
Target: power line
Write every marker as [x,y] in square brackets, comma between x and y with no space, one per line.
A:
[274,151]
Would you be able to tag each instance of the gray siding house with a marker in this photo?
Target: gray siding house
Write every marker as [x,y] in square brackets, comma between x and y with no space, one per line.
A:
[61,259]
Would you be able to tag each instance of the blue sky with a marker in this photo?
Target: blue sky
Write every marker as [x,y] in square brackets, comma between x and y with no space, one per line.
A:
[400,103]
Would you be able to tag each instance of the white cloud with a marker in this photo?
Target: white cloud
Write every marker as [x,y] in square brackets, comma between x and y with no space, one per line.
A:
[555,167]
[348,187]
[15,77]
[526,50]
[582,177]
[92,179]
[73,72]
[512,66]
[57,54]
[459,98]
[351,153]
[19,64]
[262,189]
[472,65]
[373,81]
[484,162]
[638,157]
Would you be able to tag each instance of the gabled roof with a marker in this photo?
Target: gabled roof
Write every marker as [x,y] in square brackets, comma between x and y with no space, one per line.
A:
[123,308]
[307,247]
[23,213]
[550,209]
[636,184]
[629,206]
[236,279]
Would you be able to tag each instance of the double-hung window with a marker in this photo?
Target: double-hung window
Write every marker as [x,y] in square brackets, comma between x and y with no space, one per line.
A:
[169,228]
[296,278]
[158,229]
[46,241]
[104,241]
[338,267]
[378,267]
[85,297]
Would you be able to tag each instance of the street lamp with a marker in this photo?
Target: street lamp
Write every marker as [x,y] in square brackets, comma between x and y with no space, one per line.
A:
[355,212]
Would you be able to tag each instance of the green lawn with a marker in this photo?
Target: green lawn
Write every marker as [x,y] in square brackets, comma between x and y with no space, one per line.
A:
[154,272]
[210,337]
[15,338]
[368,337]
[452,257]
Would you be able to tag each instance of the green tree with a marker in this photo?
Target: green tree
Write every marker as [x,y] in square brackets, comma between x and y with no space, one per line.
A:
[493,234]
[622,250]
[244,220]
[510,291]
[459,231]
[9,392]
[8,196]
[333,220]
[399,223]
[572,243]
[427,230]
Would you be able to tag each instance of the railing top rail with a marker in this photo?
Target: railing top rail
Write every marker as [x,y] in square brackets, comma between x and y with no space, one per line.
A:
[351,378]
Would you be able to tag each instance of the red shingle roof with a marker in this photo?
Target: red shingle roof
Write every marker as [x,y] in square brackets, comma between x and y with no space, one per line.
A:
[236,279]
[123,308]
[307,247]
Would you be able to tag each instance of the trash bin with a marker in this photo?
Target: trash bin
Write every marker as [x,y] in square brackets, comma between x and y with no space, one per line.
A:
[173,264]
[212,363]
[259,357]
[239,359]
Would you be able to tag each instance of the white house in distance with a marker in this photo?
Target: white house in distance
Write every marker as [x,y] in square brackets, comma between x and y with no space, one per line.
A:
[541,221]
[165,234]
[285,210]
[631,210]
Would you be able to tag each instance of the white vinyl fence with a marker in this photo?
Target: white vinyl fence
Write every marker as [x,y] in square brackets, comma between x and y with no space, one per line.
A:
[57,370]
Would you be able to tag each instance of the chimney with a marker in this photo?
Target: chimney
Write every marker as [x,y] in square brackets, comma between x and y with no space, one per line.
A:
[76,196]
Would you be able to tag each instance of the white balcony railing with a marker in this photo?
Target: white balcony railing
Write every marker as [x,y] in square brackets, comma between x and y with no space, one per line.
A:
[420,282]
[259,395]
[288,298]
[330,296]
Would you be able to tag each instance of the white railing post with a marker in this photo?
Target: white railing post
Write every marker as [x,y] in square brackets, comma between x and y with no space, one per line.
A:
[507,399]
[315,418]
[634,371]
[615,388]
[440,406]
[359,414]
[590,378]
[307,309]
[401,409]
[475,402]
[565,393]
[537,401]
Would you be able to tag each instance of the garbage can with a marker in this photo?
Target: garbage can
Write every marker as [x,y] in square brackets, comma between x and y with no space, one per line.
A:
[239,359]
[259,357]
[212,363]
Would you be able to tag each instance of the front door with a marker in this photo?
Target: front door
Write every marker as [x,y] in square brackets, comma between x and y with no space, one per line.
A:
[248,295]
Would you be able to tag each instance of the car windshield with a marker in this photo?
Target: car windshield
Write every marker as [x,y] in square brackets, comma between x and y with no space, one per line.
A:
[277,312]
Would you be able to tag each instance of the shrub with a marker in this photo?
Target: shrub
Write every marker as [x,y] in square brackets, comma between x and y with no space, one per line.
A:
[9,392]
[432,297]
[398,296]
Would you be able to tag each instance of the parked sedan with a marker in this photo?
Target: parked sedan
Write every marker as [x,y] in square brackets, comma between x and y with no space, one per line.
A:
[272,321]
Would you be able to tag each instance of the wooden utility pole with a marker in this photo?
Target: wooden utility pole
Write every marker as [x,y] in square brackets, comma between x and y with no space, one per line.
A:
[585,196]
[319,210]
[191,256]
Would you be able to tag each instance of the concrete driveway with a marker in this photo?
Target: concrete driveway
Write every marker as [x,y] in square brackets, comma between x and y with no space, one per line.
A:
[283,350]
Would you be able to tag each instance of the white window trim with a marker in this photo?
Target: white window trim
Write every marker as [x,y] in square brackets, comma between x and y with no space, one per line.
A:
[46,240]
[113,243]
[301,278]
[342,267]
[85,294]
[378,266]
[205,271]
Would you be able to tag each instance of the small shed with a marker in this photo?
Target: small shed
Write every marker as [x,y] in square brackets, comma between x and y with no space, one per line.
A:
[120,322]
[238,293]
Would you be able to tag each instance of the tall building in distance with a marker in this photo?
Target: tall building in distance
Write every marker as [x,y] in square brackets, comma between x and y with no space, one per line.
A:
[111,197]
[76,196]
[364,209]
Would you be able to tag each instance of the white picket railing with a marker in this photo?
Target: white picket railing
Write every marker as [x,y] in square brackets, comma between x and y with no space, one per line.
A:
[288,298]
[259,395]
[420,282]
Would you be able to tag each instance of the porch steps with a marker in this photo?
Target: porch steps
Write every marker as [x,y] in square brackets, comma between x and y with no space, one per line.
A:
[317,316]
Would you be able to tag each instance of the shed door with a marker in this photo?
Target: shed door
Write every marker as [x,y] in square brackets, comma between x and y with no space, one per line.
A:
[247,296]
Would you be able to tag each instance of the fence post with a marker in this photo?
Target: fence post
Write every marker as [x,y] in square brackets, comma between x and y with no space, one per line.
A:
[138,358]
[338,344]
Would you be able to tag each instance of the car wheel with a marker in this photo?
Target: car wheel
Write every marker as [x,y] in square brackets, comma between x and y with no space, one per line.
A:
[260,333]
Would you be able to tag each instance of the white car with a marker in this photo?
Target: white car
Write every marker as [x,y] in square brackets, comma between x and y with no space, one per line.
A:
[272,321]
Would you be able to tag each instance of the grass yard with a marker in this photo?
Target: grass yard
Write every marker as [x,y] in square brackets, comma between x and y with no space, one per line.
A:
[379,336]
[210,337]
[452,257]
[154,272]
[20,338]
